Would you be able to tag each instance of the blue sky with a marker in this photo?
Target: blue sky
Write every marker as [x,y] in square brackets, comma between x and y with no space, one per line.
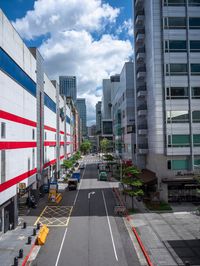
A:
[88,38]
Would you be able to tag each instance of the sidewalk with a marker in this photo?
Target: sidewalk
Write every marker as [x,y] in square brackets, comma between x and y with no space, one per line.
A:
[12,241]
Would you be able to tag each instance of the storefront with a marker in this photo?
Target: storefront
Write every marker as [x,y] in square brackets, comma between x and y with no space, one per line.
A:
[183,190]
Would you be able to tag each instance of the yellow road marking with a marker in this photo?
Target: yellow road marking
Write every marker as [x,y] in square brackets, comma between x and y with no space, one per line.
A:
[69,216]
[55,210]
[40,215]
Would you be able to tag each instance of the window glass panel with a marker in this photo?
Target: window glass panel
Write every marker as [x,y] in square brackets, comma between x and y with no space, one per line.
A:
[196,116]
[194,23]
[180,140]
[194,2]
[3,166]
[178,69]
[196,92]
[174,2]
[3,130]
[196,139]
[177,93]
[176,22]
[180,164]
[197,162]
[195,69]
[177,46]
[177,117]
[195,46]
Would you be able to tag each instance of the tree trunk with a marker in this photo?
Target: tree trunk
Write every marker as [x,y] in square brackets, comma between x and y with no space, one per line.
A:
[132,203]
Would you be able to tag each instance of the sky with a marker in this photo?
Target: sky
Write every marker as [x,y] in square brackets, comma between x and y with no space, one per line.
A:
[90,39]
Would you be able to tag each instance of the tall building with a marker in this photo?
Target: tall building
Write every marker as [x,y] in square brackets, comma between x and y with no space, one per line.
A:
[35,125]
[167,80]
[81,107]
[68,86]
[122,111]
[98,117]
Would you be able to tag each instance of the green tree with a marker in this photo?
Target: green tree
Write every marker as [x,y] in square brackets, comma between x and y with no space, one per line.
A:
[85,146]
[67,163]
[130,178]
[105,145]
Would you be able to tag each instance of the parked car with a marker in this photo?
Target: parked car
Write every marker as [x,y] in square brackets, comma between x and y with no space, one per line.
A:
[72,184]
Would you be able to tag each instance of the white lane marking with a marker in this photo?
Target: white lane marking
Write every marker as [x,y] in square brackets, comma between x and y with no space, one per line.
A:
[79,186]
[111,234]
[61,246]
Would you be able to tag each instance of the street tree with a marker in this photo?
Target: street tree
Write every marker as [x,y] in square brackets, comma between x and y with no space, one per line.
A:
[105,145]
[85,146]
[133,182]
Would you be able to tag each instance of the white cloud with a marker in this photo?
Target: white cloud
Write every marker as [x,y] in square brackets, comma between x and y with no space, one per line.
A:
[71,49]
[126,27]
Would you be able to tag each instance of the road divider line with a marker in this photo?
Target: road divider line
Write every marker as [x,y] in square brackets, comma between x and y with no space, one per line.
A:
[111,234]
[79,186]
[61,246]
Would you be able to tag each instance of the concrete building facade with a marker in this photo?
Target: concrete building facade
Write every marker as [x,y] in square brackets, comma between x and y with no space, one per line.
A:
[167,78]
[35,124]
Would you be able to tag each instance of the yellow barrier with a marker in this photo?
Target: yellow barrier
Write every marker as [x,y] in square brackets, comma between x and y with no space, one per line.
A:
[41,239]
[58,198]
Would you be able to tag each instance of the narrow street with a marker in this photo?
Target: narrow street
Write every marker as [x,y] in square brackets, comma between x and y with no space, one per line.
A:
[92,235]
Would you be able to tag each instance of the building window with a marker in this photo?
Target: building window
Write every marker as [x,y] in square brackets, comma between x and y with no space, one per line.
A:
[177,93]
[175,23]
[177,117]
[3,166]
[196,116]
[180,164]
[196,92]
[175,46]
[3,130]
[194,23]
[195,69]
[196,140]
[33,158]
[174,2]
[33,134]
[178,141]
[176,69]
[194,46]
[194,2]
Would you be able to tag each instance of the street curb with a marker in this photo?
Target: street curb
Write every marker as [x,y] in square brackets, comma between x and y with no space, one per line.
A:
[27,257]
[135,232]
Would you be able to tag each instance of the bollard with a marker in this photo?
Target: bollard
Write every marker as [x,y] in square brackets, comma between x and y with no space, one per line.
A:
[21,254]
[38,226]
[34,232]
[15,261]
[29,240]
[24,225]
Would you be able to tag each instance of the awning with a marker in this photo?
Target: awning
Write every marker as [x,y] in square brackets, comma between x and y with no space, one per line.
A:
[148,176]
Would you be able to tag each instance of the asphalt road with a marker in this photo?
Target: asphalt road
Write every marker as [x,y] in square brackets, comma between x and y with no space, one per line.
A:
[94,236]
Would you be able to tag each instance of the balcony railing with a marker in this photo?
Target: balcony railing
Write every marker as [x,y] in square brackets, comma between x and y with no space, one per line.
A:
[139,4]
[139,21]
[140,57]
[142,131]
[141,73]
[143,148]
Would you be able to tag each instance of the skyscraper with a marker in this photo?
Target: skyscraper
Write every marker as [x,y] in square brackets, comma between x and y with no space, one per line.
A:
[98,117]
[68,86]
[167,75]
[81,107]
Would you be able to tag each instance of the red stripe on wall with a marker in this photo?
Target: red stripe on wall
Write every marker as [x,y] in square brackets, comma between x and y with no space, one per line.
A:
[23,176]
[17,119]
[16,145]
[16,180]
